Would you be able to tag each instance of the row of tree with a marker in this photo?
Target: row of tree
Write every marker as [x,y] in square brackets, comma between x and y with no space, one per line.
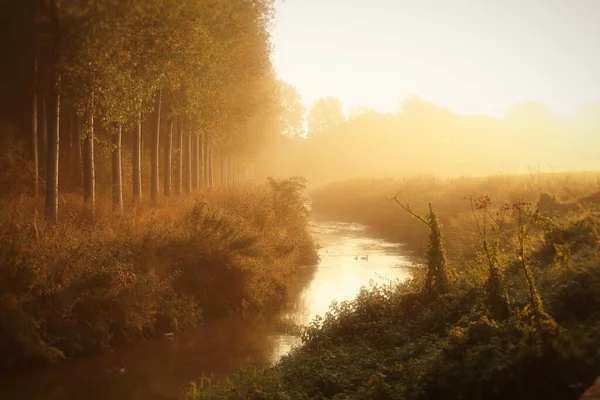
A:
[179,78]
[423,138]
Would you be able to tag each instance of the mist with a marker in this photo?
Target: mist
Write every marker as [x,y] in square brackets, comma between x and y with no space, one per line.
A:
[299,199]
[423,138]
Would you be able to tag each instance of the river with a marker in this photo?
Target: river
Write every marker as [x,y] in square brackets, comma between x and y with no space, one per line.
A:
[161,369]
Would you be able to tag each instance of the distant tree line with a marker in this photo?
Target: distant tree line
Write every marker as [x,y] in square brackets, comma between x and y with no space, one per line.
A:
[423,138]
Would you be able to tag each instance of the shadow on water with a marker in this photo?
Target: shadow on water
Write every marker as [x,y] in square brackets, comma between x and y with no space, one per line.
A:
[162,368]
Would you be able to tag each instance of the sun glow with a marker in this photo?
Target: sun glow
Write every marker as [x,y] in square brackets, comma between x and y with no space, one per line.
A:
[471,57]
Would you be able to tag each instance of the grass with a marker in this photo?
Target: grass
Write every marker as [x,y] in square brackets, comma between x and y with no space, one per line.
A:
[85,286]
[368,200]
[401,342]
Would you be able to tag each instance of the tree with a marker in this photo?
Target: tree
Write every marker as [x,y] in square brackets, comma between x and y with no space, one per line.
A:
[436,278]
[357,112]
[53,151]
[117,176]
[223,168]
[89,171]
[495,292]
[54,117]
[205,160]
[194,160]
[34,126]
[324,115]
[137,160]
[209,165]
[179,162]
[204,64]
[168,158]
[154,175]
[200,158]
[292,110]
[188,162]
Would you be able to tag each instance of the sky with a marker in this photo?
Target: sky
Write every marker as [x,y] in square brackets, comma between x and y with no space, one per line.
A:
[471,56]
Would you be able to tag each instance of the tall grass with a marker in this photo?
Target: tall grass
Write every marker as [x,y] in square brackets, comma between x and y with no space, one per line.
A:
[89,284]
[368,200]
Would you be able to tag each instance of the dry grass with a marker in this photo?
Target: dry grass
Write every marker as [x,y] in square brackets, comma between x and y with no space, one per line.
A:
[92,282]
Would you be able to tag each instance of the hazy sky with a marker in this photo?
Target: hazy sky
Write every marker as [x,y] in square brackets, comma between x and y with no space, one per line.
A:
[472,56]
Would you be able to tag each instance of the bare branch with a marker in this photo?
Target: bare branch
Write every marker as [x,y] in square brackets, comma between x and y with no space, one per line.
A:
[408,210]
[470,198]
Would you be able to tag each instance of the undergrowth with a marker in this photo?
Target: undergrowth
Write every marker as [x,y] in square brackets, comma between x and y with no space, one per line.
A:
[399,341]
[367,201]
[85,286]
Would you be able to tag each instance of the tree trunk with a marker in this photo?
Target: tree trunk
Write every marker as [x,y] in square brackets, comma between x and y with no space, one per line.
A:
[222,162]
[155,152]
[168,158]
[188,163]
[228,170]
[43,132]
[195,160]
[53,151]
[137,161]
[75,165]
[116,170]
[70,144]
[232,174]
[179,165]
[34,130]
[205,147]
[89,179]
[208,166]
[238,172]
[201,161]
[211,167]
[66,131]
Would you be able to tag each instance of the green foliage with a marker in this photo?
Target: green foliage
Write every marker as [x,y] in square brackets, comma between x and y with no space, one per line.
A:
[288,196]
[210,60]
[290,208]
[397,342]
[78,288]
[293,110]
[325,114]
[366,201]
[496,296]
[436,280]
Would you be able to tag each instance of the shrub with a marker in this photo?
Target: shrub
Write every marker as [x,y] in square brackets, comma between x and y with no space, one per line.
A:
[396,342]
[80,288]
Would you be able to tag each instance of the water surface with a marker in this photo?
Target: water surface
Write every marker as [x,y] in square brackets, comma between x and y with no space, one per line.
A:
[161,369]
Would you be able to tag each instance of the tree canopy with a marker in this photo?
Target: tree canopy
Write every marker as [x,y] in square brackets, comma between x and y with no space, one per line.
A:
[324,115]
[112,65]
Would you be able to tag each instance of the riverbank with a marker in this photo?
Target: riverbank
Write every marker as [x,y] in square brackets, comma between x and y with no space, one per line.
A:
[86,286]
[368,201]
[520,322]
[161,368]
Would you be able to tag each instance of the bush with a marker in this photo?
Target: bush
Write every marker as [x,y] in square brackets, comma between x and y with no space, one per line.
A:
[398,342]
[73,289]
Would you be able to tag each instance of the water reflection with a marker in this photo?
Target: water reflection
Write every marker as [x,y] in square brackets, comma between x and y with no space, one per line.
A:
[340,276]
[161,369]
[156,369]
